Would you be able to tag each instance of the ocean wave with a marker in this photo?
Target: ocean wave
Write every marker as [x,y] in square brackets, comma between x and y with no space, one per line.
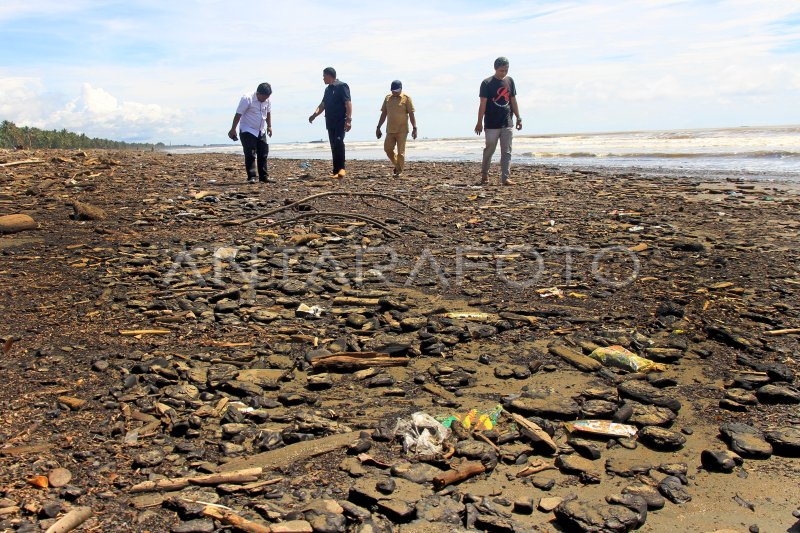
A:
[759,154]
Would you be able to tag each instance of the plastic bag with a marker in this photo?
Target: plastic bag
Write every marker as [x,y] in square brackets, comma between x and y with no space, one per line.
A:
[422,435]
[619,357]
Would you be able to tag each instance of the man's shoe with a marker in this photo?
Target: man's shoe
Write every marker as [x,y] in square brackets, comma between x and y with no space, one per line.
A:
[342,173]
[508,182]
[266,180]
[251,180]
[483,181]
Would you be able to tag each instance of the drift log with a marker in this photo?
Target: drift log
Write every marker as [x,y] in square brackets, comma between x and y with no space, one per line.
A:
[463,471]
[578,360]
[349,361]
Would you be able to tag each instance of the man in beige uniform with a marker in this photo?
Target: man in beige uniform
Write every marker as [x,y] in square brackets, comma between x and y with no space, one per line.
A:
[398,107]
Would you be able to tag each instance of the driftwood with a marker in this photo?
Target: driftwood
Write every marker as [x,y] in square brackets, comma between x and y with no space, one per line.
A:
[293,453]
[71,520]
[578,360]
[532,431]
[463,471]
[349,361]
[230,518]
[782,331]
[354,300]
[24,162]
[331,214]
[132,332]
[246,475]
[534,468]
[321,195]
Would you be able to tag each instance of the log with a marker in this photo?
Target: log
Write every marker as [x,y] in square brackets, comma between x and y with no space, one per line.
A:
[352,300]
[16,223]
[293,453]
[463,471]
[71,520]
[24,162]
[132,332]
[246,475]
[230,518]
[533,431]
[578,360]
[350,361]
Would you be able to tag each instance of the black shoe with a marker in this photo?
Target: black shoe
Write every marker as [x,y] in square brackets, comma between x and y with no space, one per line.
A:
[266,180]
[251,180]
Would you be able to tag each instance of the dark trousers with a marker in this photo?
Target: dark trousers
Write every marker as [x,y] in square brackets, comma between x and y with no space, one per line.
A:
[336,138]
[255,149]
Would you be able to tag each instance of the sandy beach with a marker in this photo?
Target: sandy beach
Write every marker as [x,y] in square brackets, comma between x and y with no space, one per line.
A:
[166,320]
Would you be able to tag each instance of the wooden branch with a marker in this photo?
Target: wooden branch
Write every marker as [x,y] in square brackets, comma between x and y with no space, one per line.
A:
[578,360]
[71,520]
[535,467]
[463,471]
[349,361]
[230,518]
[24,162]
[132,332]
[321,195]
[532,431]
[782,331]
[246,475]
[314,214]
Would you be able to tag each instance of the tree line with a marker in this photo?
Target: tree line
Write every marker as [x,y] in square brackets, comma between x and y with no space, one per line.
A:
[13,136]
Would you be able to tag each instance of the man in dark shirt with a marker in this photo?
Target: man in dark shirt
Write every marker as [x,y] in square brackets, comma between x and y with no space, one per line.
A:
[498,97]
[338,117]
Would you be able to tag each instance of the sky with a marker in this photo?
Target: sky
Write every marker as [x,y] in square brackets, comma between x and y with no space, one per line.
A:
[173,72]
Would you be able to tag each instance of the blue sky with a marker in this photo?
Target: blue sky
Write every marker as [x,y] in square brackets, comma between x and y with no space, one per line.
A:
[174,71]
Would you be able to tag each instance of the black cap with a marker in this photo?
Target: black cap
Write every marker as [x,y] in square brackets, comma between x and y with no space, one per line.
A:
[397,86]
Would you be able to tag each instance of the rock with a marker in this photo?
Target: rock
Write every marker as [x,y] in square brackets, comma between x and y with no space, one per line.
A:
[194,526]
[85,211]
[523,505]
[586,448]
[650,415]
[149,458]
[635,503]
[785,441]
[583,516]
[650,494]
[741,396]
[543,483]
[16,223]
[746,441]
[598,409]
[326,522]
[547,505]
[626,467]
[415,472]
[774,394]
[664,355]
[292,526]
[719,461]
[386,486]
[660,438]
[584,468]
[643,392]
[439,509]
[58,477]
[673,490]
[546,407]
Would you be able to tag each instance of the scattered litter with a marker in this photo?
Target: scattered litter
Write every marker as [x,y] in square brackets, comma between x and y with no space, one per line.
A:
[601,427]
[309,311]
[619,357]
[422,435]
[550,292]
[481,420]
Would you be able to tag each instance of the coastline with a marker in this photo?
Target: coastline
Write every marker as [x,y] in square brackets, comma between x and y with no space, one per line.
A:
[568,257]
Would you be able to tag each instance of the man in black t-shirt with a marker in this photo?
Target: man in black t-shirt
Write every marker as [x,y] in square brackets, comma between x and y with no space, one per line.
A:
[498,97]
[338,117]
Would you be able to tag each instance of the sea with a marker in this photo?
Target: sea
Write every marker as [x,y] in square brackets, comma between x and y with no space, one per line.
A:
[768,153]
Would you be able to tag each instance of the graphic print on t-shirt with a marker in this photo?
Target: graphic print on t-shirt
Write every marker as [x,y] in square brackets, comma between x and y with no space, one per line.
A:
[502,98]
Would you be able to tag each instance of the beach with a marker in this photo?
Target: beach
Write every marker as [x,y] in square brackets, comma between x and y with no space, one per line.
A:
[166,320]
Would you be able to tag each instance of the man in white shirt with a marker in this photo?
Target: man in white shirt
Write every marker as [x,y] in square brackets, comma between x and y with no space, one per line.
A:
[254,118]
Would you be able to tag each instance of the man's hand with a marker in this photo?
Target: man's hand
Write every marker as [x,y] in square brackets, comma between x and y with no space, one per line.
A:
[347,125]
[414,133]
[269,131]
[311,118]
[478,128]
[378,132]
[519,124]
[232,134]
